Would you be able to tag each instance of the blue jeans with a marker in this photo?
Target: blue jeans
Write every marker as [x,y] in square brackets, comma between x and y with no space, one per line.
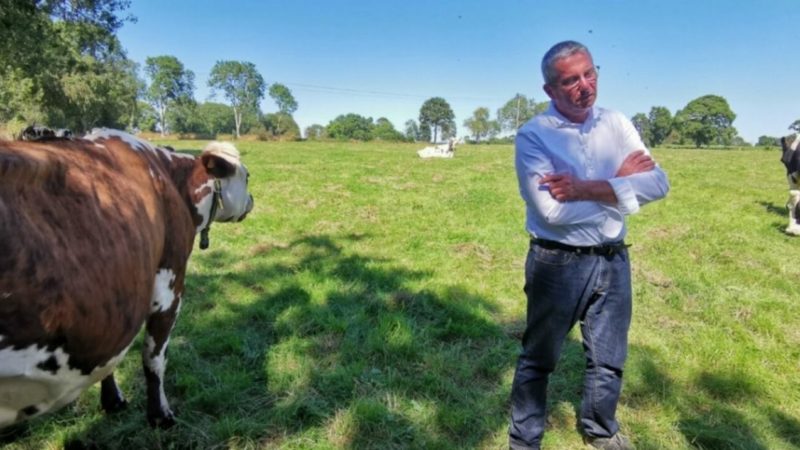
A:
[563,288]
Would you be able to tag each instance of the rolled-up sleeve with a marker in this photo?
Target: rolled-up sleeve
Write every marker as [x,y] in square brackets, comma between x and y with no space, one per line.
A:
[634,191]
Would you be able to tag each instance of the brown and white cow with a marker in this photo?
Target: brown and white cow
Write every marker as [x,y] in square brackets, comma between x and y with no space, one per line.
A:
[95,234]
[791,159]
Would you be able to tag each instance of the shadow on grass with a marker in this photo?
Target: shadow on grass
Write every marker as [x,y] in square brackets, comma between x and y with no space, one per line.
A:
[776,210]
[773,209]
[785,426]
[312,344]
[317,345]
[709,408]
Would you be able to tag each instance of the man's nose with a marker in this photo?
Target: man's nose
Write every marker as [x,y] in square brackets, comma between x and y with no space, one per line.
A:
[584,83]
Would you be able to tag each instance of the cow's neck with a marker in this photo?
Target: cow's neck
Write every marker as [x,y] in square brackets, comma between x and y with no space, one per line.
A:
[196,188]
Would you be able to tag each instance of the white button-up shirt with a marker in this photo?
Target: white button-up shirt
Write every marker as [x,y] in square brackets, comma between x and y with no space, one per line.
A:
[594,150]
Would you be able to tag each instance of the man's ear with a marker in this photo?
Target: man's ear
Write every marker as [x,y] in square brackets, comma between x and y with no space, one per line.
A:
[548,89]
[216,166]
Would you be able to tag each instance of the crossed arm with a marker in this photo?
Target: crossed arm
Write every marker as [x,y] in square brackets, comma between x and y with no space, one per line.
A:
[564,187]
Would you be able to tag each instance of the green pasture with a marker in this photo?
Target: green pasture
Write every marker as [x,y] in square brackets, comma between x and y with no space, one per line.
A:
[373,300]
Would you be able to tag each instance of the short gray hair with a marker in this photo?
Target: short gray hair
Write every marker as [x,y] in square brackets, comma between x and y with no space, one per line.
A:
[556,52]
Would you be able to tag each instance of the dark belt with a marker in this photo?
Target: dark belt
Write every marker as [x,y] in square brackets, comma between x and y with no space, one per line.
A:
[600,250]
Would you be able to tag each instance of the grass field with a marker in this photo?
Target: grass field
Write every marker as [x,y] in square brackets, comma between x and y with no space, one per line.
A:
[373,300]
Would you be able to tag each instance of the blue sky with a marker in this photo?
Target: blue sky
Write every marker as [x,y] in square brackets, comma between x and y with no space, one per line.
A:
[384,58]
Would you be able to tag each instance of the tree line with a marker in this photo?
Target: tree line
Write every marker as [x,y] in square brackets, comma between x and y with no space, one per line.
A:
[63,66]
[704,121]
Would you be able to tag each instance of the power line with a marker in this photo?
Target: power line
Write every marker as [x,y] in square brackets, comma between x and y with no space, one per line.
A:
[378,94]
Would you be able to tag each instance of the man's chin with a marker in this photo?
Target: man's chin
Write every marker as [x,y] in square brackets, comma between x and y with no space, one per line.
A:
[585,104]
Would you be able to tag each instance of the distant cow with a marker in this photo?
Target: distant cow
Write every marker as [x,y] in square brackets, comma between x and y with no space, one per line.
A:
[95,234]
[791,159]
[447,150]
[39,133]
[36,132]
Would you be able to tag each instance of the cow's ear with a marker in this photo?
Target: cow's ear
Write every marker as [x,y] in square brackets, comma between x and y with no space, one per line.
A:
[216,166]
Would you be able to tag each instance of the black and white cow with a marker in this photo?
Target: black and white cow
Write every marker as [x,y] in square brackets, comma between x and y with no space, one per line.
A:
[41,133]
[791,159]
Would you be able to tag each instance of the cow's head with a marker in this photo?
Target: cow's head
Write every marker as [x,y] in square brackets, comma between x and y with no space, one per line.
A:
[791,155]
[221,160]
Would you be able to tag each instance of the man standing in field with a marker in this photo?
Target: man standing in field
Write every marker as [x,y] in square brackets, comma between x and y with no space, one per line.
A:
[581,170]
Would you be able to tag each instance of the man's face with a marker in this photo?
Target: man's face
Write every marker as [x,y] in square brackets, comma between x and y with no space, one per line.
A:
[575,89]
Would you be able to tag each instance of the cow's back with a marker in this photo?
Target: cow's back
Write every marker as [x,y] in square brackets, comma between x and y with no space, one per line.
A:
[81,234]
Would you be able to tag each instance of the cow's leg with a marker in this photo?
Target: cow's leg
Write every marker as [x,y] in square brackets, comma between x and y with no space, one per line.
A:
[111,398]
[154,358]
[792,205]
[165,306]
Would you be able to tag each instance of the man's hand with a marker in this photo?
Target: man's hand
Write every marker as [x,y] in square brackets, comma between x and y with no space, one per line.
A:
[563,186]
[636,162]
[566,188]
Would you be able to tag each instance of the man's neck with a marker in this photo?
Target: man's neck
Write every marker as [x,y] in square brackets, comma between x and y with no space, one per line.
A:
[577,117]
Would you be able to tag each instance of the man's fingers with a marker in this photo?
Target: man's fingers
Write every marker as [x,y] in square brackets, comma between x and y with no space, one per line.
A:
[637,161]
[636,153]
[552,178]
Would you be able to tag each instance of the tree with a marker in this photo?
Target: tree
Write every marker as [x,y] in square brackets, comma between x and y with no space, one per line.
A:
[412,130]
[280,125]
[144,118]
[480,125]
[216,118]
[170,82]
[706,120]
[449,130]
[20,98]
[63,65]
[287,105]
[183,118]
[315,132]
[437,115]
[795,126]
[384,130]
[661,124]
[132,89]
[424,133]
[739,141]
[517,111]
[350,126]
[101,14]
[283,98]
[768,141]
[88,94]
[27,30]
[642,124]
[32,30]
[242,85]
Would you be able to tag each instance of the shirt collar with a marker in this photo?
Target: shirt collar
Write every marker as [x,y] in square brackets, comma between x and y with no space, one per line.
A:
[559,121]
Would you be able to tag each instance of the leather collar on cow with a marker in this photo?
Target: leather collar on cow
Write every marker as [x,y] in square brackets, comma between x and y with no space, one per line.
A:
[216,203]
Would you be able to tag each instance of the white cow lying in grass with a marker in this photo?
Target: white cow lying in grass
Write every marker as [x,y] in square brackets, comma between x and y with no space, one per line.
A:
[791,159]
[447,150]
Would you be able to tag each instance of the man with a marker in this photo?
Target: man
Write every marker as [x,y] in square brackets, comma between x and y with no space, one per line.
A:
[581,170]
